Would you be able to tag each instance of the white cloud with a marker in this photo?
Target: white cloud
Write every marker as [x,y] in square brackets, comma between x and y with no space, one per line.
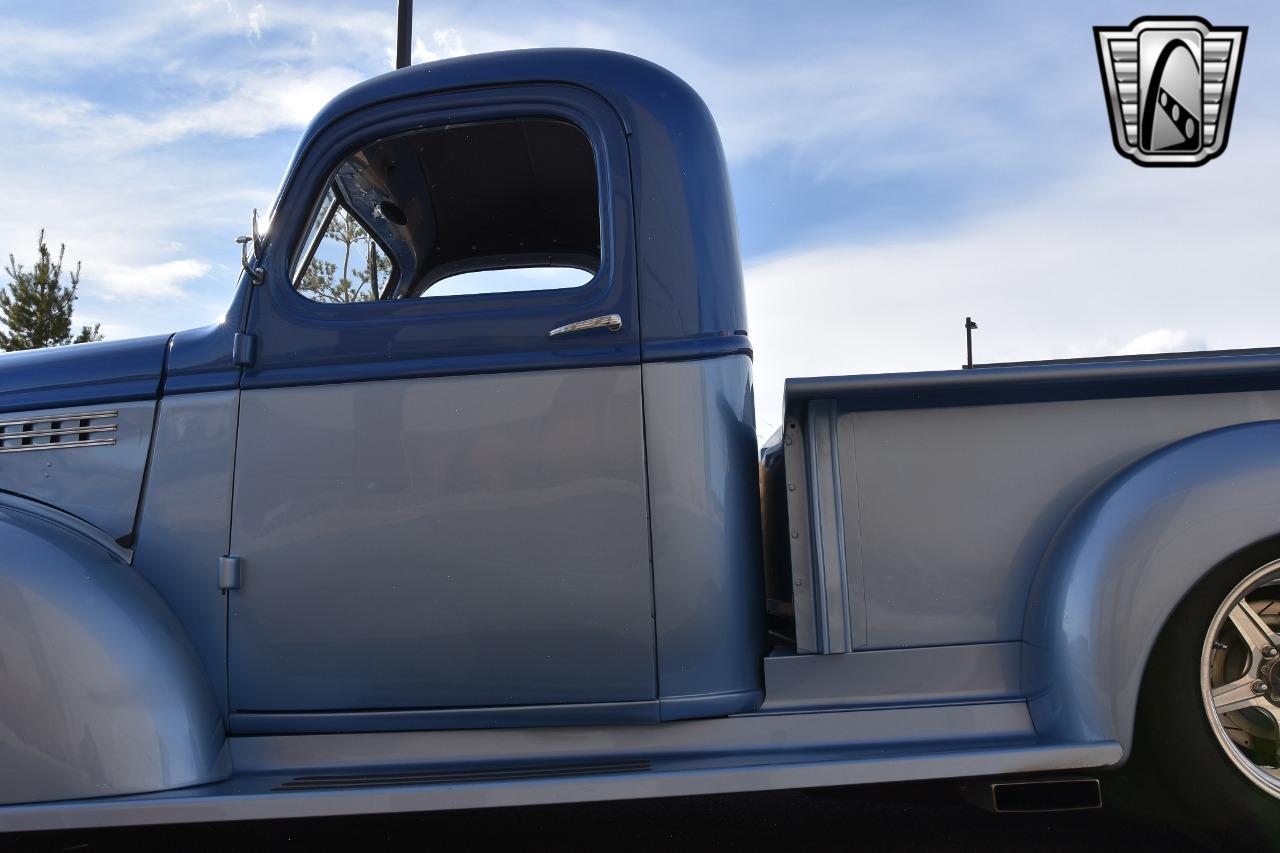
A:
[1164,340]
[1121,260]
[254,21]
[111,331]
[116,281]
[449,42]
[285,99]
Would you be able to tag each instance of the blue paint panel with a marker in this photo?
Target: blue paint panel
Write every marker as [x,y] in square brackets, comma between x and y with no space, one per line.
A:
[1147,377]
[705,510]
[688,271]
[200,359]
[705,346]
[301,342]
[82,374]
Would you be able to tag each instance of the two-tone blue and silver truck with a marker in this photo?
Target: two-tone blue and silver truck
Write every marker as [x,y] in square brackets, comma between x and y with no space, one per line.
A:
[483,521]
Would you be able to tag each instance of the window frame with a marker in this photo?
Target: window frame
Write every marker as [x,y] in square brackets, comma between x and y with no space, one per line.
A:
[517,113]
[301,340]
[304,252]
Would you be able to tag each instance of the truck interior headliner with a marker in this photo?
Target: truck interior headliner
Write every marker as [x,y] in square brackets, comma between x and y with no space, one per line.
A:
[482,196]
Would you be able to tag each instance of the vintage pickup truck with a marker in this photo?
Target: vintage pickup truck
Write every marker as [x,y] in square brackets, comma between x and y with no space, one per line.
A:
[479,521]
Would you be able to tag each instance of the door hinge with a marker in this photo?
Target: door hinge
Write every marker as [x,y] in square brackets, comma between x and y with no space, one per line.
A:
[243,349]
[228,573]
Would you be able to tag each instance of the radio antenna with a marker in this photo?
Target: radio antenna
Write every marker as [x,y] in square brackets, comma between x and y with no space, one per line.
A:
[404,33]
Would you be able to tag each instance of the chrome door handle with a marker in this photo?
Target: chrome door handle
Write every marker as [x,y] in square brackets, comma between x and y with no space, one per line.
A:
[612,322]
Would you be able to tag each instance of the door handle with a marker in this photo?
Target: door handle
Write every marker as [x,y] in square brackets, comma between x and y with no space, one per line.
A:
[612,322]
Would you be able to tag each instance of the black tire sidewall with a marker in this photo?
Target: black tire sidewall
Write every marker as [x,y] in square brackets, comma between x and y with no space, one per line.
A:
[1182,770]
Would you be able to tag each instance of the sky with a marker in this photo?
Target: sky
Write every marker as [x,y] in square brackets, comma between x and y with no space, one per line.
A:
[896,166]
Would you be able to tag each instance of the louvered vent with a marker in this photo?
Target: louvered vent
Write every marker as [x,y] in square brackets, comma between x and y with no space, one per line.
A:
[54,432]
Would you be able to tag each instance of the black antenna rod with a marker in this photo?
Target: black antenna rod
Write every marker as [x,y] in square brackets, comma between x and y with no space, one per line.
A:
[404,33]
[969,326]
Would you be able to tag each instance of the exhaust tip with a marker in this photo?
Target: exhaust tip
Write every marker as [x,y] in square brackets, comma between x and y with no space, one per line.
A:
[1035,795]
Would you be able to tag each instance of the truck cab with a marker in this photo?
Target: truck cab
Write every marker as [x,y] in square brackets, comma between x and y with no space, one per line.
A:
[452,471]
[462,503]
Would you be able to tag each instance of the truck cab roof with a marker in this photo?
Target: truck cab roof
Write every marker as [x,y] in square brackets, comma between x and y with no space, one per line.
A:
[691,295]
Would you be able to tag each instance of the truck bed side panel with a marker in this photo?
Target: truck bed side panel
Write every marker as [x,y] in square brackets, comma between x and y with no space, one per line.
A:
[955,506]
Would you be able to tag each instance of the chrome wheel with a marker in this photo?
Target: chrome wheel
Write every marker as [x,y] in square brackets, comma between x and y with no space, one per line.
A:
[1240,677]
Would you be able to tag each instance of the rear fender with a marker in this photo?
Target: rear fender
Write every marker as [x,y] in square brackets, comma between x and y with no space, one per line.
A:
[101,693]
[1123,561]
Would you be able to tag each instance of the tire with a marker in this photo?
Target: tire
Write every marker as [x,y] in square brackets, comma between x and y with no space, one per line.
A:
[1184,767]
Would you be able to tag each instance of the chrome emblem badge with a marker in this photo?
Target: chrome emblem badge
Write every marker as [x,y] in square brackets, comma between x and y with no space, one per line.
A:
[1170,85]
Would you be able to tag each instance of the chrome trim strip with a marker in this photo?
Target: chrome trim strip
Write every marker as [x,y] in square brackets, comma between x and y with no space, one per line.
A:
[42,433]
[55,427]
[69,416]
[60,445]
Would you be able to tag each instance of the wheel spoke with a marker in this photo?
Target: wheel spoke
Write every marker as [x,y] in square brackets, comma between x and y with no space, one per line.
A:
[1257,634]
[1237,696]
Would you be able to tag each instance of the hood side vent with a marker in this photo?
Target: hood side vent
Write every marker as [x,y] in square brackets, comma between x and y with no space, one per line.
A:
[55,432]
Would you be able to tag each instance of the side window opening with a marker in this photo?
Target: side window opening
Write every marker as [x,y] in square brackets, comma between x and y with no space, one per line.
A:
[347,265]
[489,207]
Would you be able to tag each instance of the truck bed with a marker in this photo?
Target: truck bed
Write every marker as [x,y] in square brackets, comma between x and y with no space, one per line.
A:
[912,509]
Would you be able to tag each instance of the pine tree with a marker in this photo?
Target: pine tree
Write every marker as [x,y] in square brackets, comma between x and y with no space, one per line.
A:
[358,283]
[35,308]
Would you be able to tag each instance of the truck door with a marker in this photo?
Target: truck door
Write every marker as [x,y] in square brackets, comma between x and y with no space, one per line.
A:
[440,505]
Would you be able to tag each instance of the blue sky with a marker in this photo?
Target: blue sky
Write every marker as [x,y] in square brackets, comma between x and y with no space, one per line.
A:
[896,166]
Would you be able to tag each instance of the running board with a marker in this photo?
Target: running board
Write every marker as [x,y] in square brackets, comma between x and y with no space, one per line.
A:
[257,798]
[377,773]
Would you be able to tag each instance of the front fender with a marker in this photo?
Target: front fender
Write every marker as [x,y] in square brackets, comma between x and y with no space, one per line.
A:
[101,692]
[1124,559]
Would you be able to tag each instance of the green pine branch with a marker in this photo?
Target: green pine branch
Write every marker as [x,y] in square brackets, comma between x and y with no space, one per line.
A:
[36,307]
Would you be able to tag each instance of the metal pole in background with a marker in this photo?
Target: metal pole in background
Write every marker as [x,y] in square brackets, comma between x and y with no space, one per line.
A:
[969,326]
[404,33]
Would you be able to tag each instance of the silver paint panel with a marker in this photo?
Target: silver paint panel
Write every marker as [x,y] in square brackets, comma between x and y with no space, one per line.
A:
[704,496]
[185,520]
[740,739]
[102,693]
[940,674]
[957,505]
[826,554]
[98,482]
[443,542]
